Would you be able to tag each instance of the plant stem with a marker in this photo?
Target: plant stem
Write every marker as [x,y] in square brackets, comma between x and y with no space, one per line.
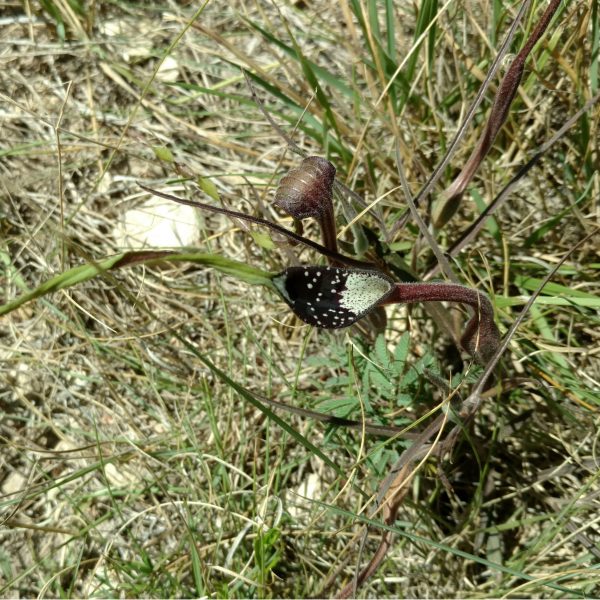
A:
[481,336]
[328,231]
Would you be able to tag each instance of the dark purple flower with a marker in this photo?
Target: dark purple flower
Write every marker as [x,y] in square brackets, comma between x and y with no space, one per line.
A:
[332,297]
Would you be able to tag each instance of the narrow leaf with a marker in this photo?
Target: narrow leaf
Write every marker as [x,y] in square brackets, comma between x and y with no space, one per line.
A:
[83,273]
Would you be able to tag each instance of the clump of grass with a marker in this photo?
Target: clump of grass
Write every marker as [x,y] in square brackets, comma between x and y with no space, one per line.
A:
[138,458]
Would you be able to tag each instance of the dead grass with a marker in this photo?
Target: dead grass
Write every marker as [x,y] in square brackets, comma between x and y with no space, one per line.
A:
[129,468]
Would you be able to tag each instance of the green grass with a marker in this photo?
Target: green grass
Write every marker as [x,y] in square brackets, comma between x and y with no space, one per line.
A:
[138,458]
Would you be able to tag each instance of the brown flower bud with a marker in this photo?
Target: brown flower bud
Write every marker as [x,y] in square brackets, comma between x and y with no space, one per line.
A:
[308,190]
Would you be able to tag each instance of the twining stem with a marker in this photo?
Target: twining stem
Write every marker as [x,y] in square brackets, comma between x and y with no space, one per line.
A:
[481,336]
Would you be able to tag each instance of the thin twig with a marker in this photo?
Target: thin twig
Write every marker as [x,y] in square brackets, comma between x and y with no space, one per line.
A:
[443,263]
[273,226]
[379,430]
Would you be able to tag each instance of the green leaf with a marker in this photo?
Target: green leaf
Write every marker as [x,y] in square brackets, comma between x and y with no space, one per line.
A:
[163,153]
[239,270]
[78,7]
[83,273]
[62,281]
[365,380]
[54,12]
[381,352]
[339,407]
[299,118]
[416,370]
[314,75]
[401,353]
[404,399]
[390,27]
[262,239]
[323,74]
[196,566]
[558,219]
[361,242]
[502,302]
[381,381]
[266,550]
[426,13]
[490,223]
[208,187]
[552,289]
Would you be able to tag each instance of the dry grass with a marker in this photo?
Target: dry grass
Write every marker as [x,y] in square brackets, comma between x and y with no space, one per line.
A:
[130,468]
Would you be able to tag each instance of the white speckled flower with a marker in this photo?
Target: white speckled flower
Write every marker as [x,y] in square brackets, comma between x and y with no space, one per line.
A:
[332,297]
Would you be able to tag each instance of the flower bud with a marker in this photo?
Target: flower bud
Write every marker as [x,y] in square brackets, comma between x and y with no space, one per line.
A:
[308,190]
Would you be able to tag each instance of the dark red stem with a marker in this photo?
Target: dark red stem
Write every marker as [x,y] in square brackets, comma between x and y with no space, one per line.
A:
[481,337]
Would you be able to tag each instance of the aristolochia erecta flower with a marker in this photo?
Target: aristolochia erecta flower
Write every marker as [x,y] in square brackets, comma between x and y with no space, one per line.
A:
[336,297]
[330,297]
